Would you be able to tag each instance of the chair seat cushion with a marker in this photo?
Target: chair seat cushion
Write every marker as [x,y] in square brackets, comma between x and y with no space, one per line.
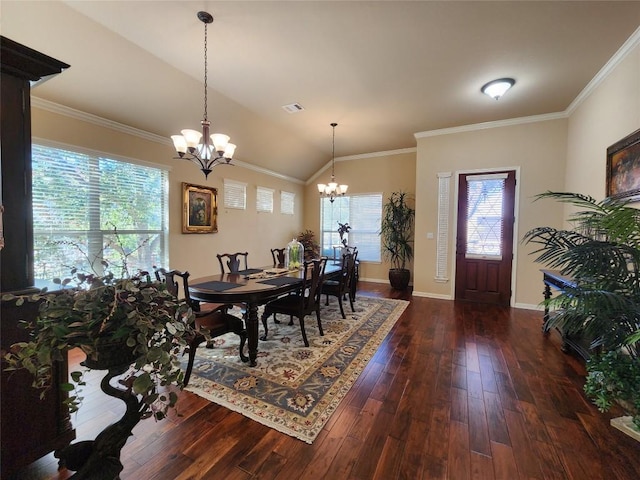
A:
[218,323]
[285,304]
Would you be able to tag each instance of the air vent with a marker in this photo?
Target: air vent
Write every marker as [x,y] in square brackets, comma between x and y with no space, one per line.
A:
[293,108]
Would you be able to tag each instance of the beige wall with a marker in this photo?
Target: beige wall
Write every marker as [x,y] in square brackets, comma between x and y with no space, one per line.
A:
[536,150]
[562,154]
[609,114]
[239,230]
[383,173]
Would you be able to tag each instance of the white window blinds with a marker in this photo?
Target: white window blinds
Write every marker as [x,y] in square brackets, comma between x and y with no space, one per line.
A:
[363,213]
[78,201]
[235,194]
[484,215]
[287,203]
[264,199]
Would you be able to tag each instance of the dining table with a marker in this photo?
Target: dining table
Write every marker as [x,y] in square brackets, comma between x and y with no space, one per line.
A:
[252,287]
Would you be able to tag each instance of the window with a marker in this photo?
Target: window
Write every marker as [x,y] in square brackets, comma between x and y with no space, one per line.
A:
[264,200]
[87,207]
[484,215]
[235,194]
[363,214]
[287,203]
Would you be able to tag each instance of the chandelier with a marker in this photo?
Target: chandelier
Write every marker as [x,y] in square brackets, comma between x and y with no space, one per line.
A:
[203,149]
[332,189]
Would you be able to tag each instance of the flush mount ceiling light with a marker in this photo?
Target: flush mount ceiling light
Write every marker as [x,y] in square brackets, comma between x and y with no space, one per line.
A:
[496,88]
[204,150]
[332,189]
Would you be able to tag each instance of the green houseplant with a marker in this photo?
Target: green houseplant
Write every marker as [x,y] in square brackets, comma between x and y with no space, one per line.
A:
[602,254]
[311,248]
[128,325]
[396,231]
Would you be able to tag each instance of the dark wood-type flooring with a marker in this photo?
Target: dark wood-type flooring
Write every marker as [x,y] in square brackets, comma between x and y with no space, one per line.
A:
[456,391]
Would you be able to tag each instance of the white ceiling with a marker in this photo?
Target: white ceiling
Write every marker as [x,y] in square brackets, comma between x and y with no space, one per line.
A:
[383,70]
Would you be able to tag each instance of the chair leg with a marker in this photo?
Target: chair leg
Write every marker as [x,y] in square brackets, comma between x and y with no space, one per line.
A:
[243,340]
[327,300]
[265,315]
[351,302]
[341,307]
[304,334]
[192,355]
[319,322]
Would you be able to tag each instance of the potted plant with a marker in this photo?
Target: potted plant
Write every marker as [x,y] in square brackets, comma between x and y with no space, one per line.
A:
[343,228]
[396,231]
[602,254]
[311,247]
[129,325]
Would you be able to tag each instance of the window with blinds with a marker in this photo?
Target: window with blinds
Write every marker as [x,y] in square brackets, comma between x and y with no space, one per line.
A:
[484,215]
[235,194]
[287,203]
[88,208]
[264,199]
[363,213]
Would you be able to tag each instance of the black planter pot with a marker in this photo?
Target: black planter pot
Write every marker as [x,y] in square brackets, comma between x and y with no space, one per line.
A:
[399,278]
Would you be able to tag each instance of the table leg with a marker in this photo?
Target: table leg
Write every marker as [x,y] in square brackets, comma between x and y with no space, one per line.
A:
[252,332]
[547,296]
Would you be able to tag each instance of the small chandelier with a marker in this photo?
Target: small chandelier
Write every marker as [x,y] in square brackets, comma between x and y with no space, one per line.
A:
[204,150]
[332,189]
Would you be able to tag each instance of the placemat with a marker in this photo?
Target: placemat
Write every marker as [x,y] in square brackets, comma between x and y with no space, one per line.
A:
[217,286]
[279,281]
[249,271]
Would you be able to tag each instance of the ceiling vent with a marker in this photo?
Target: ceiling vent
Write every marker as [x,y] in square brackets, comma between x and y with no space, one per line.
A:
[293,108]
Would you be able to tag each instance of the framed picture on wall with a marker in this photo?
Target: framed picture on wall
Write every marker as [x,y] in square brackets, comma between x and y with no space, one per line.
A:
[200,209]
[623,168]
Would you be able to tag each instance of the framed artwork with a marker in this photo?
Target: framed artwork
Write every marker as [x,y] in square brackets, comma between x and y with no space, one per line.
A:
[623,168]
[199,209]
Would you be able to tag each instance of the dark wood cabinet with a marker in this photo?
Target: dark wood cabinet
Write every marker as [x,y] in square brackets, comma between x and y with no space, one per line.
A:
[30,427]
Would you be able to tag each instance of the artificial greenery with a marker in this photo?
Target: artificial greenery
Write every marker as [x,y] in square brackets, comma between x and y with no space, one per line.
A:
[343,228]
[93,310]
[602,254]
[614,376]
[396,230]
[311,248]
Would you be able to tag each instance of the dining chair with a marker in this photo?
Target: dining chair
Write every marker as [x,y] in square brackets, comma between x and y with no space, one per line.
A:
[303,302]
[353,287]
[215,319]
[233,261]
[341,287]
[278,256]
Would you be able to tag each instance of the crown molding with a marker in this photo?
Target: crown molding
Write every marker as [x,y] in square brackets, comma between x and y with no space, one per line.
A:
[632,42]
[361,156]
[486,125]
[136,132]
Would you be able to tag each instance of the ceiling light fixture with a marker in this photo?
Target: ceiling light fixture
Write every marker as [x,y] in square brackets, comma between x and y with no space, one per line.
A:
[332,189]
[497,88]
[204,150]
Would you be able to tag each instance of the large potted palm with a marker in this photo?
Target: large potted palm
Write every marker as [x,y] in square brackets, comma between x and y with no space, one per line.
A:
[602,254]
[396,232]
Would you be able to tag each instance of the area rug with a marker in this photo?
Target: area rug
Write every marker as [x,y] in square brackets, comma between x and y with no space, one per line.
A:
[295,389]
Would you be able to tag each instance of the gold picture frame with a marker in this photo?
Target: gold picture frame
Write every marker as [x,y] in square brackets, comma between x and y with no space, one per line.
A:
[200,209]
[623,168]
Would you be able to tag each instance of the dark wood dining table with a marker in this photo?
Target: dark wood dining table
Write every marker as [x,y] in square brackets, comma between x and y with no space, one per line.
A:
[252,288]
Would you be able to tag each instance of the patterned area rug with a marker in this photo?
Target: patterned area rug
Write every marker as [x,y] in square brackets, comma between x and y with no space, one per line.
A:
[294,389]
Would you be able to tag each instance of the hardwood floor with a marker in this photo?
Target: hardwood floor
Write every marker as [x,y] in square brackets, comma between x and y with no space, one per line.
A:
[456,391]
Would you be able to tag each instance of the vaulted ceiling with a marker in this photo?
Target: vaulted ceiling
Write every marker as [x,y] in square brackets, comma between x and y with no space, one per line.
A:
[383,70]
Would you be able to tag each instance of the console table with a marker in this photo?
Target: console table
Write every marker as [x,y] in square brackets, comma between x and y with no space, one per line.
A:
[553,279]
